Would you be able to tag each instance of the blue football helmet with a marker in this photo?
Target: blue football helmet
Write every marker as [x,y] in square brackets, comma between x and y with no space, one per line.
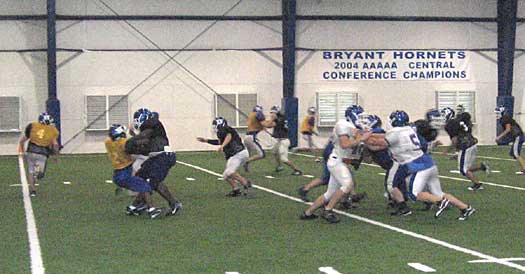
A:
[218,123]
[117,131]
[435,119]
[375,121]
[154,115]
[140,116]
[45,119]
[399,118]
[311,110]
[275,109]
[257,108]
[448,113]
[352,113]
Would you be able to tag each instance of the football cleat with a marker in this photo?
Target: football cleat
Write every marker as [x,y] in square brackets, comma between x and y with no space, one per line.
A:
[303,194]
[297,173]
[234,193]
[130,210]
[358,197]
[465,213]
[154,212]
[444,204]
[174,209]
[475,187]
[307,217]
[32,193]
[279,169]
[330,216]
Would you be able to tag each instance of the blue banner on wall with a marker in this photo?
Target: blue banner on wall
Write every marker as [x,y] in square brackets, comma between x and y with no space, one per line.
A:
[395,65]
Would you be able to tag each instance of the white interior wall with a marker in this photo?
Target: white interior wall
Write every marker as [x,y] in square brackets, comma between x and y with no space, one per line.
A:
[186,107]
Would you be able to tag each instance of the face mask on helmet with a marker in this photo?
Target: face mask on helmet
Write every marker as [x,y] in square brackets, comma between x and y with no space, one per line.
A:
[435,119]
[352,114]
[257,108]
[275,109]
[139,117]
[218,123]
[117,131]
[448,114]
[45,119]
[500,111]
[311,110]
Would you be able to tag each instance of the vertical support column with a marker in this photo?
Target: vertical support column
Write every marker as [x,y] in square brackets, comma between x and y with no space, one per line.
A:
[289,101]
[52,103]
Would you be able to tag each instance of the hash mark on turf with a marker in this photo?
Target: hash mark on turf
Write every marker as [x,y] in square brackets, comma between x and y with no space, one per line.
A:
[269,177]
[328,270]
[67,183]
[109,181]
[421,267]
[308,176]
[190,179]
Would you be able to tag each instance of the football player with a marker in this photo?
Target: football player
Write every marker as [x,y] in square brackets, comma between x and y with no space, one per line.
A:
[459,130]
[308,129]
[256,122]
[235,153]
[405,147]
[347,142]
[395,174]
[280,134]
[42,136]
[123,168]
[513,129]
[153,142]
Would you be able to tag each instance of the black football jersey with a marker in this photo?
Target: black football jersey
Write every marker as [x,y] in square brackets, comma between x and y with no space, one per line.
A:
[515,129]
[155,131]
[235,145]
[281,127]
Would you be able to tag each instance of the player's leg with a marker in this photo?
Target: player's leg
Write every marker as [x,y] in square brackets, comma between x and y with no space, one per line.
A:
[303,191]
[231,175]
[283,156]
[467,166]
[321,200]
[154,170]
[342,175]
[515,152]
[254,148]
[144,190]
[434,187]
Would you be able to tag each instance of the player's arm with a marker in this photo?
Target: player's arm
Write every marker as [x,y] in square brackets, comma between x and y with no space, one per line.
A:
[214,142]
[227,140]
[24,139]
[376,141]
[358,139]
[55,149]
[508,127]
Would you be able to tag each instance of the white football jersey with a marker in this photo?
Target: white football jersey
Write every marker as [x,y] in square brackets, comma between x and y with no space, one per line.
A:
[342,128]
[404,144]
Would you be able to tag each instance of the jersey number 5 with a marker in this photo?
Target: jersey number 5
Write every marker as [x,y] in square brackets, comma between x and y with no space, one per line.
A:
[415,140]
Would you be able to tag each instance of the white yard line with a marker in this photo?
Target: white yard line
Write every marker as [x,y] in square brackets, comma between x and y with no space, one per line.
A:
[383,225]
[37,265]
[440,176]
[421,267]
[479,156]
